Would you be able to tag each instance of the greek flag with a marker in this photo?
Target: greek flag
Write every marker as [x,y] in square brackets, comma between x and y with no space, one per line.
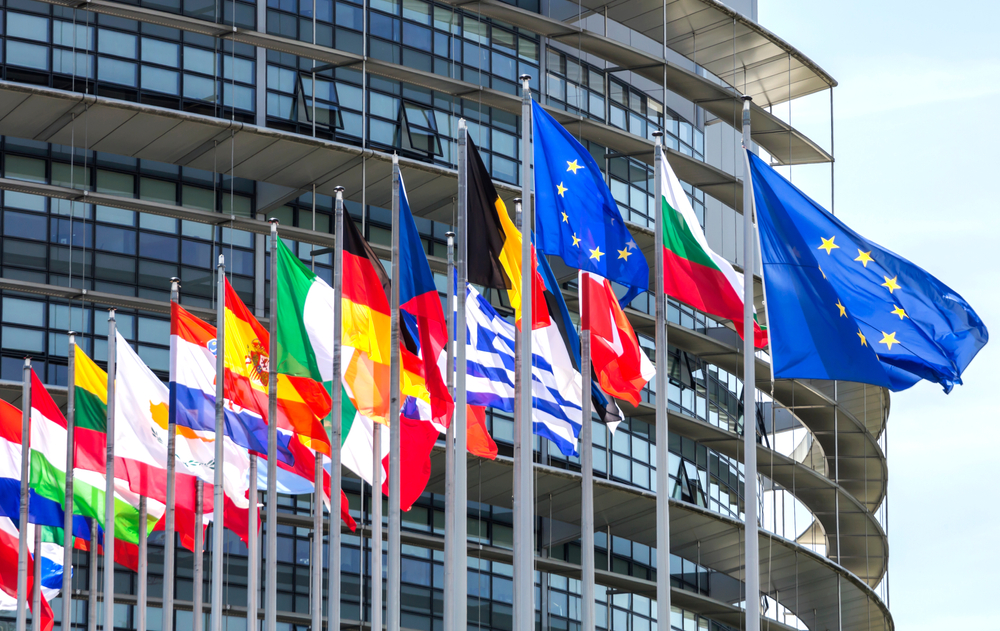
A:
[556,389]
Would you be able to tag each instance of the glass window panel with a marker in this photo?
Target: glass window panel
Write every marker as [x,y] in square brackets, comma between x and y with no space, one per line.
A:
[116,215]
[24,225]
[160,52]
[113,239]
[160,80]
[21,168]
[18,311]
[14,199]
[115,71]
[63,62]
[28,26]
[23,339]
[199,88]
[63,34]
[158,246]
[116,43]
[199,60]
[417,10]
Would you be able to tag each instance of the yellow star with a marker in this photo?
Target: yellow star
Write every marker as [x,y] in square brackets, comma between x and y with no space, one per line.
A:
[573,166]
[561,189]
[888,339]
[890,283]
[899,311]
[828,245]
[565,218]
[843,309]
[576,240]
[822,272]
[623,254]
[596,254]
[864,257]
[864,342]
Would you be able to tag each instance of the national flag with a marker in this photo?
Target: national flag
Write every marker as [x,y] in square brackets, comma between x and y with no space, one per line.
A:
[365,325]
[494,243]
[302,403]
[692,271]
[10,532]
[605,408]
[620,364]
[576,217]
[843,308]
[556,385]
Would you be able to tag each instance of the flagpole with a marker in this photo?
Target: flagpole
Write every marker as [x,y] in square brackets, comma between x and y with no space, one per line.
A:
[749,411]
[449,450]
[662,416]
[109,490]
[253,546]
[393,587]
[333,599]
[36,579]
[316,587]
[143,573]
[460,524]
[218,503]
[67,578]
[271,585]
[376,533]
[169,538]
[198,589]
[524,520]
[587,614]
[92,582]
[22,540]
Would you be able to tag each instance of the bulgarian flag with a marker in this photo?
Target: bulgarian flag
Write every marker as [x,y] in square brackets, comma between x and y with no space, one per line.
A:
[692,272]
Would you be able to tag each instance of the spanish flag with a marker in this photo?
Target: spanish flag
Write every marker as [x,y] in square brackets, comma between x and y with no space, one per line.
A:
[302,402]
[494,244]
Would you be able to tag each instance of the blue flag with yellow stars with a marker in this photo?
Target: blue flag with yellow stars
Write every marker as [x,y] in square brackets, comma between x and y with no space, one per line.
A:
[841,307]
[576,218]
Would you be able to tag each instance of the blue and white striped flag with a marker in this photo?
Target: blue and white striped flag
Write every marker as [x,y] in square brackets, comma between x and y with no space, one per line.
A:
[556,389]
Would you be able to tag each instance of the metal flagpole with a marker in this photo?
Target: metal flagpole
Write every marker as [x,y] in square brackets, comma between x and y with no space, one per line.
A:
[169,539]
[218,503]
[36,580]
[253,549]
[449,442]
[460,524]
[376,534]
[92,579]
[67,579]
[587,613]
[662,416]
[22,541]
[109,491]
[524,506]
[143,578]
[198,589]
[271,585]
[316,588]
[393,587]
[749,426]
[333,599]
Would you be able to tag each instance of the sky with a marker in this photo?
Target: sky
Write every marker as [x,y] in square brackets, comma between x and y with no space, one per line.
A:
[917,147]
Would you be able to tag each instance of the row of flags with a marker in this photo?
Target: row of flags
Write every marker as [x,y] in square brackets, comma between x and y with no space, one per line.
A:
[826,311]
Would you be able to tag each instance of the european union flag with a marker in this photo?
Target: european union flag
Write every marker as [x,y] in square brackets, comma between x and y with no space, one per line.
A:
[576,218]
[841,307]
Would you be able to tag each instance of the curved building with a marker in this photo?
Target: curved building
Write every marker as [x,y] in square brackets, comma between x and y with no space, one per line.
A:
[140,138]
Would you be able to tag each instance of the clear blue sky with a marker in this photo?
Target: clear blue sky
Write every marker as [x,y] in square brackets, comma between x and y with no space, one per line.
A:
[918,154]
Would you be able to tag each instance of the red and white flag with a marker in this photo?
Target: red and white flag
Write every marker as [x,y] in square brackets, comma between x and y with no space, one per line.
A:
[620,365]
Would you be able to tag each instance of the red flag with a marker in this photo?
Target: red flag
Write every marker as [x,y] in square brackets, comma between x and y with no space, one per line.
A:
[620,365]
[478,439]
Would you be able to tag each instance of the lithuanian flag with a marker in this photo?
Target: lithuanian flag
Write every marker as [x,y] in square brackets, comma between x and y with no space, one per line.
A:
[494,244]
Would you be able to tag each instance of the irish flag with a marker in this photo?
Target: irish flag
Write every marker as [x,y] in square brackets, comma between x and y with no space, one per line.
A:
[692,272]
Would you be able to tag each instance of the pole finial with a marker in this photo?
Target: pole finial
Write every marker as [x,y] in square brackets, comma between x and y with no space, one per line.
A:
[525,77]
[338,189]
[517,200]
[657,134]
[273,221]
[746,97]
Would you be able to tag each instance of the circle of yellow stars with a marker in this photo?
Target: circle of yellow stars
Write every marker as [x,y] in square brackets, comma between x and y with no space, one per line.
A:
[892,284]
[595,253]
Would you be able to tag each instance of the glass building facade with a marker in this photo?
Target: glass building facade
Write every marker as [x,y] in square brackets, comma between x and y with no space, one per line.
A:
[196,57]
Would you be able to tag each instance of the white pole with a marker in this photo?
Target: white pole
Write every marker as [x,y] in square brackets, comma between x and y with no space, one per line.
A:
[169,537]
[218,503]
[460,608]
[749,411]
[253,549]
[333,599]
[662,416]
[450,595]
[22,543]
[198,587]
[393,588]
[587,613]
[36,579]
[92,582]
[109,491]
[376,534]
[524,507]
[271,585]
[67,579]
[143,574]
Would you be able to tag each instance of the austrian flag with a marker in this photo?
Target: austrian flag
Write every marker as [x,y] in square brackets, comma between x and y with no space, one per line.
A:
[620,365]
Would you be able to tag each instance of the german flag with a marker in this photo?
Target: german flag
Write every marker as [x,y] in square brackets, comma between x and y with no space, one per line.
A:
[496,243]
[366,327]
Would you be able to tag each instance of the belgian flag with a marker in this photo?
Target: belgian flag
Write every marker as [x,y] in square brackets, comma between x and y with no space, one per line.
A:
[494,244]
